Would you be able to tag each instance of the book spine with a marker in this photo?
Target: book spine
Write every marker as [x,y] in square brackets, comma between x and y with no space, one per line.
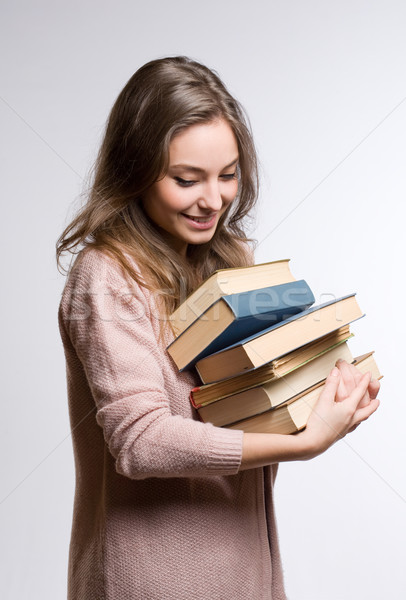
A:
[192,400]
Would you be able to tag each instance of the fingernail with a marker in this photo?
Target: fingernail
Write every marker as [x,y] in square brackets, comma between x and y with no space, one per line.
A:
[335,372]
[339,360]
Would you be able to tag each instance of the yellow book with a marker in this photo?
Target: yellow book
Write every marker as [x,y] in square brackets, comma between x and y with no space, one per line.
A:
[228,281]
[264,397]
[278,340]
[211,392]
[293,416]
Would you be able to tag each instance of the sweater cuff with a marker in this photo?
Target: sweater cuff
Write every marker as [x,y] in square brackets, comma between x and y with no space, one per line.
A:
[226,451]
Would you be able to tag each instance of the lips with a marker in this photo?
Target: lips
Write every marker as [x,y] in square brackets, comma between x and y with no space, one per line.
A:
[200,222]
[199,219]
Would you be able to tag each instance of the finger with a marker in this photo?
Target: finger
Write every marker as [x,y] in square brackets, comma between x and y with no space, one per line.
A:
[357,376]
[331,386]
[359,391]
[365,400]
[347,374]
[362,414]
[342,392]
[373,388]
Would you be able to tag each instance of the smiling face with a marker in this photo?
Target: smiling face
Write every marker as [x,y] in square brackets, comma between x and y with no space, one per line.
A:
[200,184]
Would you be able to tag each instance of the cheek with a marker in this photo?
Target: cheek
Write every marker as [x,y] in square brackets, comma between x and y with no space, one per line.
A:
[174,198]
[232,191]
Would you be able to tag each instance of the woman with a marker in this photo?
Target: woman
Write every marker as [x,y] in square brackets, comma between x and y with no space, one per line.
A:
[167,507]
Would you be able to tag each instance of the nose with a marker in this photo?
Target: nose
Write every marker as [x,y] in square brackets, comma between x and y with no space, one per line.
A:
[211,198]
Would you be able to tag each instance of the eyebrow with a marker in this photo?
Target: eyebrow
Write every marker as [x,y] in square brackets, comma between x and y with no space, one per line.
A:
[198,169]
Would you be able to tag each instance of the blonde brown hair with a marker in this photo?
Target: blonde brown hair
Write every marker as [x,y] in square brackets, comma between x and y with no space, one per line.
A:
[161,99]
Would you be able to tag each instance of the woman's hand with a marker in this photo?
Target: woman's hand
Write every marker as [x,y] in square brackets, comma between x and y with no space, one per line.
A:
[347,399]
[350,377]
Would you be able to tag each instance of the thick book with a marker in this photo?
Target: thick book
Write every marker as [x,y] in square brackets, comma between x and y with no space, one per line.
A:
[236,316]
[228,281]
[211,392]
[279,339]
[293,416]
[259,399]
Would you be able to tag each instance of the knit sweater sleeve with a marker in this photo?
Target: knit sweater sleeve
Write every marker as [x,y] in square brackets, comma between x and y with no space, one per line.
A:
[112,334]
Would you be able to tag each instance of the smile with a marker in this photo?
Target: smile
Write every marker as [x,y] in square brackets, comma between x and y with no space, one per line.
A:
[200,219]
[201,222]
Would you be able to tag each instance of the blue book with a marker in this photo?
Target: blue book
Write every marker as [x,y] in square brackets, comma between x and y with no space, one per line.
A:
[236,316]
[279,339]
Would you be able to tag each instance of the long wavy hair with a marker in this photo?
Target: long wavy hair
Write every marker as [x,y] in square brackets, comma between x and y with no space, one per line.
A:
[161,99]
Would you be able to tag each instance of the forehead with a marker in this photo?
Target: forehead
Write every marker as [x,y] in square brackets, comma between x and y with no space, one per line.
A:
[204,145]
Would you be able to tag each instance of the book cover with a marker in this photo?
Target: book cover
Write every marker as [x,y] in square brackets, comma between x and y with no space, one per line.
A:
[269,395]
[212,392]
[293,416]
[235,316]
[279,339]
[228,281]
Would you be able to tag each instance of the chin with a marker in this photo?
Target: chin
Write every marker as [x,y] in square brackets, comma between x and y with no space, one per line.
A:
[201,239]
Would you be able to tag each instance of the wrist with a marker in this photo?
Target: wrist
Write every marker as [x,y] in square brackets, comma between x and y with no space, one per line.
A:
[260,449]
[308,446]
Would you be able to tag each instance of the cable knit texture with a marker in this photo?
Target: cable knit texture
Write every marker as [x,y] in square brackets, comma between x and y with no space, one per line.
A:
[161,511]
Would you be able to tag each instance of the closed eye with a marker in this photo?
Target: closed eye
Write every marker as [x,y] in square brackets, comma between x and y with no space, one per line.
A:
[189,182]
[184,182]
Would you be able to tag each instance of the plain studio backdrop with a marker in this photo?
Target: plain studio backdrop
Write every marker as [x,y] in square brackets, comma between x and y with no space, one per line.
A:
[325,88]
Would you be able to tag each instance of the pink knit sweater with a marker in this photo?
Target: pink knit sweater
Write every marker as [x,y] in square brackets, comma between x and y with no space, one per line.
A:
[161,511]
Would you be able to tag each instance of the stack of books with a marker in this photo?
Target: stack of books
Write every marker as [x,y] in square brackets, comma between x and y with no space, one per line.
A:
[260,347]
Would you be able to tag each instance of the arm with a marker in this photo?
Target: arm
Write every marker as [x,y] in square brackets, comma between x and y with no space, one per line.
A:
[112,334]
[331,419]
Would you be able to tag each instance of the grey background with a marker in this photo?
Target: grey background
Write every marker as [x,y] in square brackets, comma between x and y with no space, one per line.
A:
[324,84]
